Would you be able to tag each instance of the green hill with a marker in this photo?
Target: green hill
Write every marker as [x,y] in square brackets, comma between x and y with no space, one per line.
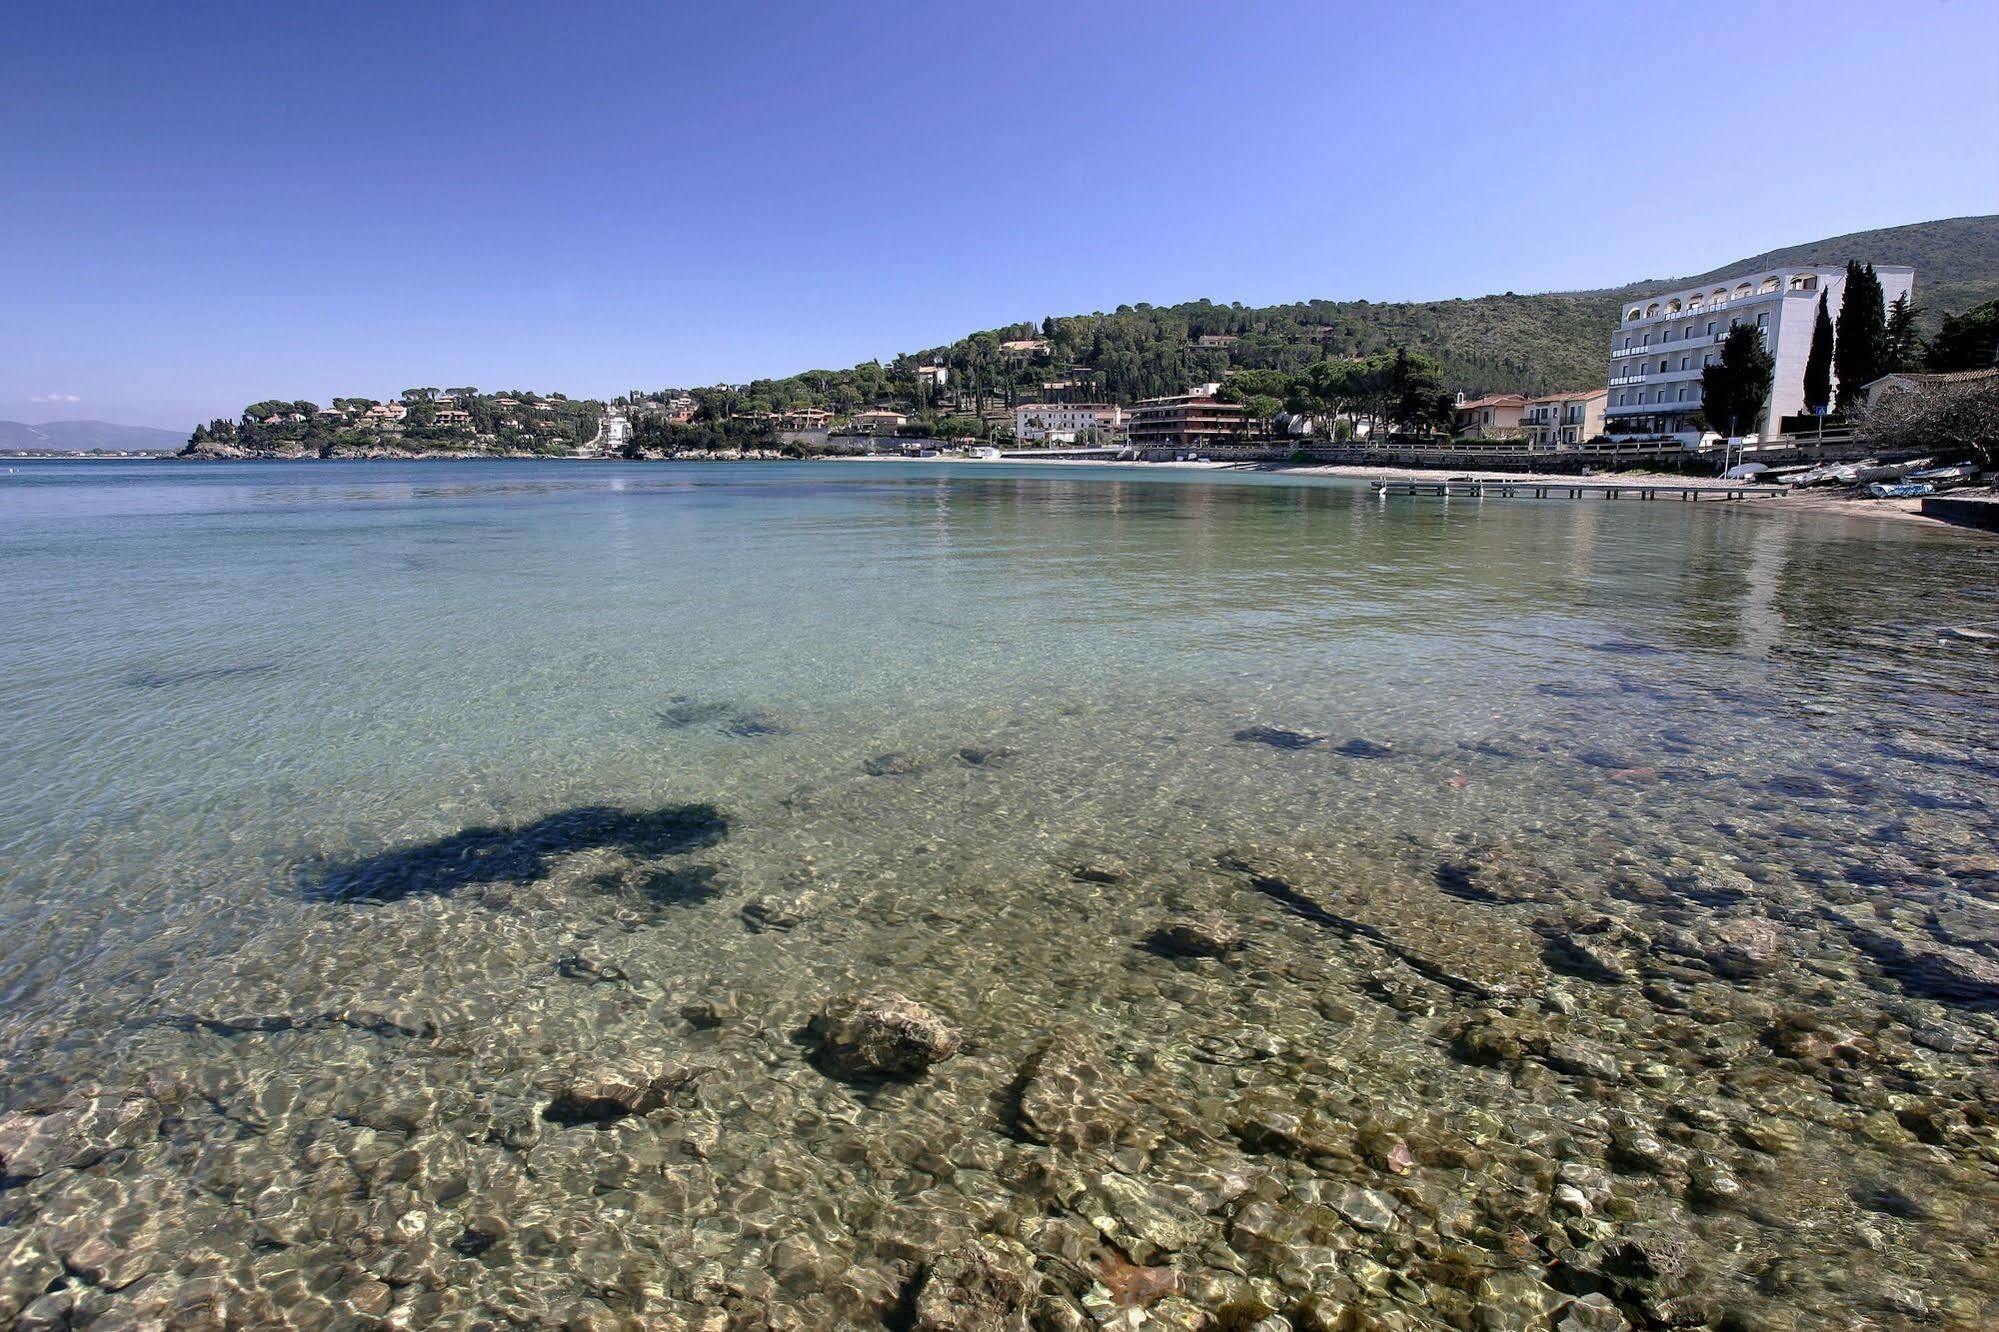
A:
[1525,343]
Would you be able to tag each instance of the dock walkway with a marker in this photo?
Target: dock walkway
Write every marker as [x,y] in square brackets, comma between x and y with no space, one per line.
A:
[1501,488]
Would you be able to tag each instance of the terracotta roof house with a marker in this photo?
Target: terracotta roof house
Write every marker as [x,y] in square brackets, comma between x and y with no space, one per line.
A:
[1495,416]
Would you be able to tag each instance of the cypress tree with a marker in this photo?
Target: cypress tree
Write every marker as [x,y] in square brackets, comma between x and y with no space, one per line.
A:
[1818,363]
[1857,355]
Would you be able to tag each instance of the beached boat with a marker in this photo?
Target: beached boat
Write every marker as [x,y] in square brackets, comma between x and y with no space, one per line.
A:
[1895,471]
[1900,489]
[1825,474]
[1944,475]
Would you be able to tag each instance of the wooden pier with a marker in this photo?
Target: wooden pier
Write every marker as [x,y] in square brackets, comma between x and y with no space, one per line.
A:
[1562,488]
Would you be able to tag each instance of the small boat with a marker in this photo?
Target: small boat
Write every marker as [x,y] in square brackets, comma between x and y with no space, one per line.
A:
[1745,472]
[1887,471]
[1824,475]
[1959,472]
[1899,489]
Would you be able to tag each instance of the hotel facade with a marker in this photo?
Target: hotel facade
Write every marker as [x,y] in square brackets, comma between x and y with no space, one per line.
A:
[1664,341]
[1065,422]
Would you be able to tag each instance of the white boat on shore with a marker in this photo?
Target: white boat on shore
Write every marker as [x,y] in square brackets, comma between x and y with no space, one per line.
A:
[1952,475]
[1895,471]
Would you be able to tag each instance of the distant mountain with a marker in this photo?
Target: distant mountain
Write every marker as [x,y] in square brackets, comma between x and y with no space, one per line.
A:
[17,436]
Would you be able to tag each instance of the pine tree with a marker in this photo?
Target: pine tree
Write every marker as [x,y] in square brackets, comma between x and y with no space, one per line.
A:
[1902,346]
[1863,328]
[1736,388]
[1818,363]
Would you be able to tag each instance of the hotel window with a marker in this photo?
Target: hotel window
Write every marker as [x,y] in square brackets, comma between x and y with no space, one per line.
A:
[1763,320]
[1684,362]
[1710,328]
[1664,367]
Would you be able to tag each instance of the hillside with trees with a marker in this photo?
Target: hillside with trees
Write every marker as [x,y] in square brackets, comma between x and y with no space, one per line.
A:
[1486,344]
[1392,363]
[419,422]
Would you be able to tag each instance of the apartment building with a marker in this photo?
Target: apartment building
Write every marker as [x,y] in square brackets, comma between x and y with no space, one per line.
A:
[1187,420]
[1065,422]
[1663,342]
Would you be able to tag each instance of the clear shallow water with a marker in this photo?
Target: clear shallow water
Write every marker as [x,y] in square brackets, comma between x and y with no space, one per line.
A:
[1663,875]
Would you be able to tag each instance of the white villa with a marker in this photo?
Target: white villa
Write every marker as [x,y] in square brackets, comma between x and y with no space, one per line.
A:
[1663,341]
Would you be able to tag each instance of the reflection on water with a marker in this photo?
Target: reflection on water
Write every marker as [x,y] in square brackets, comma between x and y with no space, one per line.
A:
[1367,913]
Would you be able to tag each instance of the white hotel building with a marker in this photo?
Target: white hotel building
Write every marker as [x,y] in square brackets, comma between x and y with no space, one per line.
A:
[1065,422]
[1663,341]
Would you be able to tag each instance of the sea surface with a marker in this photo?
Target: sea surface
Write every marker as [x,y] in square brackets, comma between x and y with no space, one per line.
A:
[418,883]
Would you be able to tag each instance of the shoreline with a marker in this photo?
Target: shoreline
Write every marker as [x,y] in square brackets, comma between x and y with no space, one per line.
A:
[1830,504]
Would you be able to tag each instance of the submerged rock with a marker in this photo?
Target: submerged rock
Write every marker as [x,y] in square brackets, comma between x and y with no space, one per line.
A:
[76,1133]
[603,1096]
[1099,869]
[883,1035]
[1196,936]
[1278,737]
[1956,975]
[1360,747]
[986,1286]
[772,912]
[1737,948]
[895,763]
[1070,1098]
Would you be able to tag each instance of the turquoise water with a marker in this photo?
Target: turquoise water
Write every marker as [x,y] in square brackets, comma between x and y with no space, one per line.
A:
[350,812]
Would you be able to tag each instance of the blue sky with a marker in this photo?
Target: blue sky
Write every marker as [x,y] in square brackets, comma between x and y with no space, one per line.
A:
[207,204]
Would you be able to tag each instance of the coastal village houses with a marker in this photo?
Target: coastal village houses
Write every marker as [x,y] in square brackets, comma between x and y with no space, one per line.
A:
[1887,386]
[879,421]
[1495,416]
[1563,420]
[1663,341]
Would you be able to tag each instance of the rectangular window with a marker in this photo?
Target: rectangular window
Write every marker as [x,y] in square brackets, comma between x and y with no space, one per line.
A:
[1763,320]
[1684,360]
[1710,328]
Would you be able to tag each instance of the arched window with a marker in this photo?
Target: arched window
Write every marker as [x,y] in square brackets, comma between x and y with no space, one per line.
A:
[1718,296]
[1741,290]
[1652,309]
[1673,306]
[1635,314]
[1769,284]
